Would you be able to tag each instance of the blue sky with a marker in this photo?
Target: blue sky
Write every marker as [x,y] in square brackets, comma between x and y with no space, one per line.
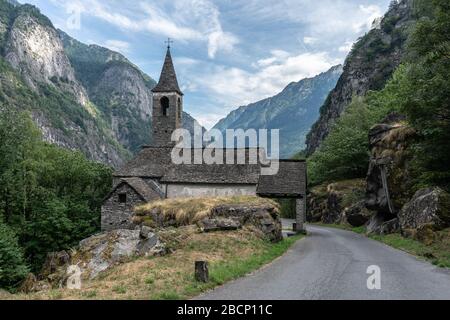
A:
[226,53]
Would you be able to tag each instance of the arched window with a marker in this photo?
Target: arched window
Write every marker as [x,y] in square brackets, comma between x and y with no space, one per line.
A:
[165,106]
[179,108]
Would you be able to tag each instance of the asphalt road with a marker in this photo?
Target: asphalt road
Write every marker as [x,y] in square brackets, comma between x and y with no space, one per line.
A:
[332,264]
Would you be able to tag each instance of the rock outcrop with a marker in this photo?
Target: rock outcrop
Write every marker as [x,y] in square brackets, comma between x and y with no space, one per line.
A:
[93,256]
[105,250]
[368,67]
[390,160]
[340,202]
[358,215]
[264,219]
[378,225]
[35,50]
[428,208]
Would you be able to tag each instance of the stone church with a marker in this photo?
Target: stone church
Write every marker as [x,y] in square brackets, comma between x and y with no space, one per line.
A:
[151,175]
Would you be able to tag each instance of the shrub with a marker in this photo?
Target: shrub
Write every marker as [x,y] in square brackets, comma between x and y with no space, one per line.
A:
[12,264]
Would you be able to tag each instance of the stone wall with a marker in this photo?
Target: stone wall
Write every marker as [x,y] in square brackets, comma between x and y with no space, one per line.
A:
[207,190]
[116,215]
[300,210]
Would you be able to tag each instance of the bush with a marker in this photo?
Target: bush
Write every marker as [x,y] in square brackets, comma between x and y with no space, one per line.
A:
[345,152]
[288,208]
[12,264]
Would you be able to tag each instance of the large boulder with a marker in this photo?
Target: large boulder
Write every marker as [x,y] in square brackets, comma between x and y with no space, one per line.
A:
[378,225]
[358,215]
[102,251]
[265,220]
[428,208]
[219,224]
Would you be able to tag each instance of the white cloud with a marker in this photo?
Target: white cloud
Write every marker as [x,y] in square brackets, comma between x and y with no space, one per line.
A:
[220,40]
[309,40]
[159,22]
[183,20]
[232,86]
[117,45]
[207,120]
[370,13]
[276,56]
[324,19]
[346,47]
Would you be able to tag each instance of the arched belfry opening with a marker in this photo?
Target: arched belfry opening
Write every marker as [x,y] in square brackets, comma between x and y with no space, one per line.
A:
[165,104]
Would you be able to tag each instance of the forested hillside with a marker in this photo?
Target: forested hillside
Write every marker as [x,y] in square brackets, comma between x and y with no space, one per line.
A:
[50,198]
[368,67]
[385,164]
[419,89]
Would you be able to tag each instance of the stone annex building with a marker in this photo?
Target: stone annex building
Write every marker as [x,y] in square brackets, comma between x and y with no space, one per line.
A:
[151,175]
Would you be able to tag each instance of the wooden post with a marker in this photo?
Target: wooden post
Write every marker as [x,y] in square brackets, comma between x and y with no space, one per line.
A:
[201,271]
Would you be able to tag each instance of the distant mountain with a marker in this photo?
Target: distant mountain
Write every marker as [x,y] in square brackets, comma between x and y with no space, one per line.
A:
[293,111]
[368,67]
[81,96]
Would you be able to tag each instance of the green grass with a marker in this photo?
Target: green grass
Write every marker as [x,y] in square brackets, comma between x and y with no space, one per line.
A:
[438,253]
[120,289]
[222,272]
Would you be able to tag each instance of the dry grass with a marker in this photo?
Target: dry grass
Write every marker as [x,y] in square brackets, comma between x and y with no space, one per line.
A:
[231,254]
[190,210]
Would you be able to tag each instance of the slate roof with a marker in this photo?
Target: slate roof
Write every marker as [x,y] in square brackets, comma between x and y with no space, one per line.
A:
[168,80]
[149,163]
[144,189]
[156,163]
[289,182]
[213,174]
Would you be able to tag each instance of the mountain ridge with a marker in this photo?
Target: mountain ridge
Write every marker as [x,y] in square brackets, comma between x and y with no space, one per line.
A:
[293,111]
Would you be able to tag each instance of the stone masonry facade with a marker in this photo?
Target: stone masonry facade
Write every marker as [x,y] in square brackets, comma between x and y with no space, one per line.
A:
[117,215]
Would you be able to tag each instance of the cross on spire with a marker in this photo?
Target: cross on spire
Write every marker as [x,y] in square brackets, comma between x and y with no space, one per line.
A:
[169,42]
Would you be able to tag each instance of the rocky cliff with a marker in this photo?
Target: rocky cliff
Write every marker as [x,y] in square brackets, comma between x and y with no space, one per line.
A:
[369,65]
[293,111]
[82,97]
[37,76]
[120,90]
[34,49]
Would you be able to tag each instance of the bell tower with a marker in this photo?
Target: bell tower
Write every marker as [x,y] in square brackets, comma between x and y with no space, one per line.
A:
[167,105]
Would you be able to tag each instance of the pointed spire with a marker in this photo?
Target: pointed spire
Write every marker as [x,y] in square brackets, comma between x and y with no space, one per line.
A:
[168,81]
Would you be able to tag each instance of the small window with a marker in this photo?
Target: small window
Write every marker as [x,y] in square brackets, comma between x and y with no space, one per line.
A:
[165,106]
[123,198]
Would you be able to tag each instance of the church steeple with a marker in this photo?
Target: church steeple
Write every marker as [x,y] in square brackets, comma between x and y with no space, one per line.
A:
[167,105]
[168,80]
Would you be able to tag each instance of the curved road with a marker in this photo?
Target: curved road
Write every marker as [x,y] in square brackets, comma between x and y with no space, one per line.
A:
[332,264]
